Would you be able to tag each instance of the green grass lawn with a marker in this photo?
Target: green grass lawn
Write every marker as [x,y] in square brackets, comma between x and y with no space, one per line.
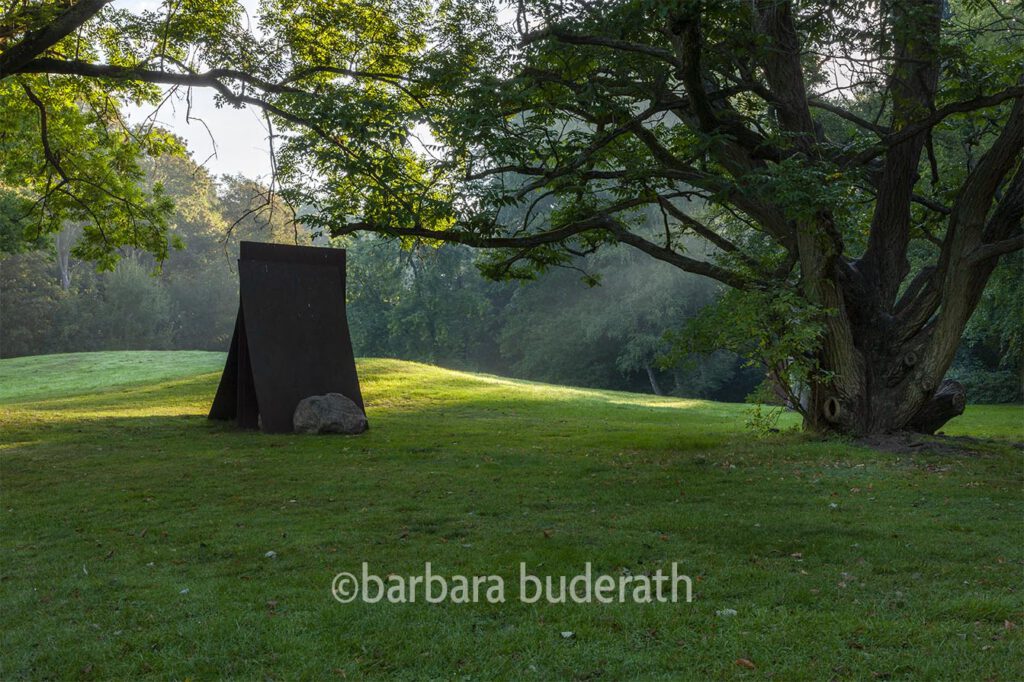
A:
[48,376]
[135,534]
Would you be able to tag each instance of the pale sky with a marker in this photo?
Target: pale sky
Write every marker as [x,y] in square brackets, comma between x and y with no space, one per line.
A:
[236,141]
[239,134]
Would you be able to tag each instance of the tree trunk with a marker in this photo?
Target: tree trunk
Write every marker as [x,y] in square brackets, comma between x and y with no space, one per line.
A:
[880,377]
[883,408]
[948,402]
[654,381]
[63,244]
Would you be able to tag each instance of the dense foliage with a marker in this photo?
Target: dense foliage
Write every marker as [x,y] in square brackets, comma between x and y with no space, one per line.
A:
[68,70]
[428,304]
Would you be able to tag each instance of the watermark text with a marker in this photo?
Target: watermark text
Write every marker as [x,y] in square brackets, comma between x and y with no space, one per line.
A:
[660,587]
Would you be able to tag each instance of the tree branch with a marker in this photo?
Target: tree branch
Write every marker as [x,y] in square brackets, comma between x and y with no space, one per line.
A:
[478,240]
[44,134]
[703,230]
[210,78]
[913,82]
[996,249]
[784,71]
[1003,231]
[741,148]
[213,78]
[682,262]
[14,58]
[570,38]
[965,261]
[945,112]
[905,133]
[825,105]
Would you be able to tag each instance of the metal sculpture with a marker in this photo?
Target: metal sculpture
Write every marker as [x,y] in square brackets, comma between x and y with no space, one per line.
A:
[291,337]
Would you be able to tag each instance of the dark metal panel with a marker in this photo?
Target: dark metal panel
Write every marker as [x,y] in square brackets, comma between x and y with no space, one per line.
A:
[295,322]
[225,403]
[248,404]
[291,336]
[286,253]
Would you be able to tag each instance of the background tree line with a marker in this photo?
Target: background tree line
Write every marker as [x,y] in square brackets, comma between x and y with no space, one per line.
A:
[420,303]
[613,320]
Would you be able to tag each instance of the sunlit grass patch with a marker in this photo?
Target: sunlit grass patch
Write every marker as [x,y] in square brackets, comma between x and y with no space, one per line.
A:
[46,376]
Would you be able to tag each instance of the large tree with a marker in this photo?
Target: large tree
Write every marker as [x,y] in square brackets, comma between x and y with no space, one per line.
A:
[818,134]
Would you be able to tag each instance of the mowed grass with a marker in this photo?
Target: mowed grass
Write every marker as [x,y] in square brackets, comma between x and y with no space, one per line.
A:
[135,535]
[47,376]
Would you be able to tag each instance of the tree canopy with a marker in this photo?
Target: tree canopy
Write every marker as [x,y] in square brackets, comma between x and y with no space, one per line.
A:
[68,70]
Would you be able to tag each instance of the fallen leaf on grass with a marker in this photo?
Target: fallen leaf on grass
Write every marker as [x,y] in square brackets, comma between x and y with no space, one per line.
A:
[745,663]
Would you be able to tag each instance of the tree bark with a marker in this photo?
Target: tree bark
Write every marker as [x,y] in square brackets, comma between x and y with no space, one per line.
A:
[899,384]
[654,381]
[948,402]
[63,243]
[886,404]
[873,379]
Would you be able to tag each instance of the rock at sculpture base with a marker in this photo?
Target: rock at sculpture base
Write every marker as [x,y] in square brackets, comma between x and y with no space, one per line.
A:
[331,413]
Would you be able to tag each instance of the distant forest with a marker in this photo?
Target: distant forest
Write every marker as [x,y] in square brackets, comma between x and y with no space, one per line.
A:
[616,320]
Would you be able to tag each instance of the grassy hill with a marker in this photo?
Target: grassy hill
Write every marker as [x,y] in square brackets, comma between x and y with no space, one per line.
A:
[47,376]
[136,532]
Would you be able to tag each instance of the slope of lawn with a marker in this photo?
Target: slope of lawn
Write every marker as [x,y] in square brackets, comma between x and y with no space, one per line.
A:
[135,535]
[46,376]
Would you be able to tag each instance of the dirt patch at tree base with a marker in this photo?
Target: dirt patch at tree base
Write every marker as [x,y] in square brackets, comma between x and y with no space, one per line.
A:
[908,443]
